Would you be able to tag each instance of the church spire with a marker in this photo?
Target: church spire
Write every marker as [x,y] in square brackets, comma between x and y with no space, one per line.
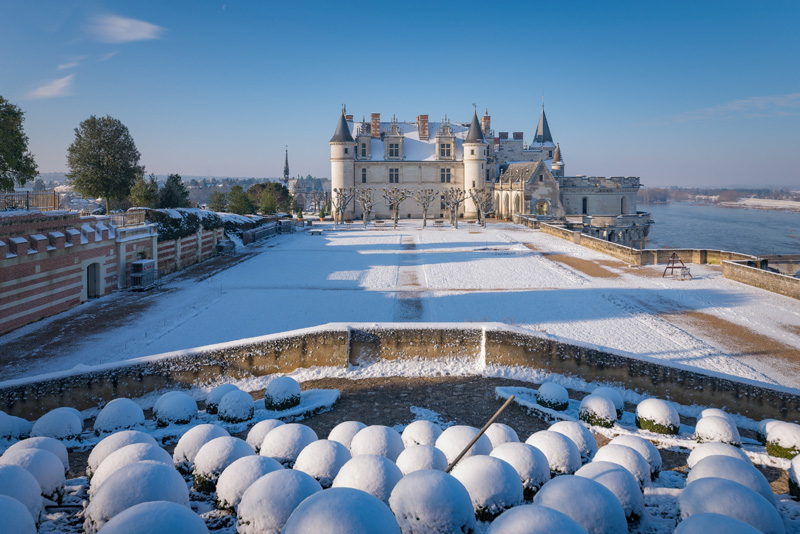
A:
[286,167]
[543,130]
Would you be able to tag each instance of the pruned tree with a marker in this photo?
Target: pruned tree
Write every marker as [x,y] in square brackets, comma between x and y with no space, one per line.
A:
[483,202]
[339,201]
[394,196]
[366,201]
[16,162]
[144,193]
[424,197]
[453,198]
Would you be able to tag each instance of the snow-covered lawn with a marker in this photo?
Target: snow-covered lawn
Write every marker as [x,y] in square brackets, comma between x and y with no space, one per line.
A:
[441,275]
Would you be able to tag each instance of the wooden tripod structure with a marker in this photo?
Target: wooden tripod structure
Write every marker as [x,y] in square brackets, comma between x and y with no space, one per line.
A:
[671,266]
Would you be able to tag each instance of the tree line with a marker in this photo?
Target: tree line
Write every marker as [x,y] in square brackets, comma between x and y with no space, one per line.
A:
[684,194]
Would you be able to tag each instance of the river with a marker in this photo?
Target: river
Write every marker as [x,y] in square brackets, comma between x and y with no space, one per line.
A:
[705,226]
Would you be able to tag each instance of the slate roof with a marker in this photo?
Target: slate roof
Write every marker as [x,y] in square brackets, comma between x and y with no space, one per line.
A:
[475,133]
[342,134]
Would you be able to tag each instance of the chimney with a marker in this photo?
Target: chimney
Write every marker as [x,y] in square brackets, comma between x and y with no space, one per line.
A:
[348,118]
[422,127]
[503,135]
[486,124]
[375,124]
[517,136]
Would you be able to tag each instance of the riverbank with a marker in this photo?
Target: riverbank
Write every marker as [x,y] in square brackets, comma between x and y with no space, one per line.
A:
[764,204]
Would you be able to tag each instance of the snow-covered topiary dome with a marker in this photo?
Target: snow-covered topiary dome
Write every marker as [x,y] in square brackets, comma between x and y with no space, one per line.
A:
[530,464]
[711,449]
[157,517]
[715,412]
[618,481]
[174,407]
[134,484]
[717,429]
[763,429]
[129,454]
[60,423]
[657,416]
[282,393]
[22,427]
[285,442]
[432,502]
[562,454]
[377,439]
[47,444]
[581,436]
[45,467]
[534,519]
[6,426]
[213,457]
[256,435]
[733,469]
[588,502]
[419,457]
[628,458]
[215,396]
[708,523]
[345,431]
[648,451]
[553,396]
[421,432]
[720,496]
[239,476]
[493,485]
[794,477]
[18,483]
[597,410]
[377,475]
[119,414]
[322,459]
[614,396]
[191,442]
[269,501]
[783,440]
[498,433]
[111,443]
[236,406]
[16,517]
[342,511]
[453,440]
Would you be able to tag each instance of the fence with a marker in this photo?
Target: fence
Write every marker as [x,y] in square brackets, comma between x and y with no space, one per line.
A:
[133,218]
[30,200]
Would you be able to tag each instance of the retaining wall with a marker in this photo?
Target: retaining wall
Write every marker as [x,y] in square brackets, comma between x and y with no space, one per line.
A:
[179,253]
[775,282]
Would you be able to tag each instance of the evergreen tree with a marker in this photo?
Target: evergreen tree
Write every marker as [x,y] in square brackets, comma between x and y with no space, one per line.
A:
[144,193]
[268,205]
[218,201]
[16,162]
[279,192]
[239,202]
[174,194]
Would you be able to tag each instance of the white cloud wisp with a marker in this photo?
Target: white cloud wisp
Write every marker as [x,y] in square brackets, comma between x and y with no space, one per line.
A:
[116,29]
[54,89]
[756,106]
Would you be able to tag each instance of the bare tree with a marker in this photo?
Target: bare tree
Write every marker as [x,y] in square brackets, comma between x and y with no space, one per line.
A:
[453,198]
[339,202]
[394,197]
[424,197]
[365,200]
[314,196]
[483,201]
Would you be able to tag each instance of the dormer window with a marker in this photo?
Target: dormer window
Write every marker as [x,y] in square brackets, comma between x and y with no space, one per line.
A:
[363,150]
[445,150]
[394,150]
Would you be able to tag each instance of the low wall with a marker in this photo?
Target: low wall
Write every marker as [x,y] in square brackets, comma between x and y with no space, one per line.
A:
[179,253]
[342,344]
[775,282]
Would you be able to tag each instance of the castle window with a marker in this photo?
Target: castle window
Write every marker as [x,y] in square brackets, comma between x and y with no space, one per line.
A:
[394,150]
[444,175]
[364,176]
[471,151]
[622,206]
[394,176]
[345,150]
[585,203]
[363,150]
[549,153]
[541,177]
[441,206]
[444,150]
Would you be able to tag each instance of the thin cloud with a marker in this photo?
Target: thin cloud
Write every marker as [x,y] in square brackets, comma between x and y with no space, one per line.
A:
[116,29]
[106,57]
[54,89]
[70,65]
[756,106]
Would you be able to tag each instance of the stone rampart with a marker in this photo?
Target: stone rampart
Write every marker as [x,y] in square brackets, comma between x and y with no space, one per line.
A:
[775,282]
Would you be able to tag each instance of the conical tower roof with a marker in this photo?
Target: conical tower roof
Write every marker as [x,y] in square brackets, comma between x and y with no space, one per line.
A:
[543,130]
[342,134]
[475,133]
[557,155]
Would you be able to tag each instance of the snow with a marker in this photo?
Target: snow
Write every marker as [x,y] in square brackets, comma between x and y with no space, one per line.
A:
[660,413]
[213,457]
[58,424]
[580,436]
[712,449]
[377,439]
[715,412]
[377,475]
[648,451]
[598,410]
[715,428]
[588,502]
[720,496]
[239,476]
[216,394]
[16,517]
[191,442]
[236,406]
[342,511]
[118,414]
[6,425]
[47,444]
[534,519]
[421,432]
[618,481]
[174,407]
[345,431]
[763,428]
[628,458]
[322,459]
[432,502]
[553,396]
[134,484]
[706,523]
[285,442]
[256,435]
[493,484]
[562,454]
[281,393]
[115,442]
[613,395]
[22,427]
[18,483]
[498,433]
[419,457]
[794,470]
[267,504]
[157,517]
[45,467]
[129,454]
[786,436]
[732,469]
[529,462]
[453,440]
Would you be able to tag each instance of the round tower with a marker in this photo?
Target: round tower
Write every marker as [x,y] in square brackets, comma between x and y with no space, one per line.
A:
[343,148]
[557,166]
[475,148]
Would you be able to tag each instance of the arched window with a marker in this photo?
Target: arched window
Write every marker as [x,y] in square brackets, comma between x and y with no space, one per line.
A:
[585,207]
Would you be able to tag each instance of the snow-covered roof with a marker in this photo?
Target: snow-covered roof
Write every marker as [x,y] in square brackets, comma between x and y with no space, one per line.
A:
[414,148]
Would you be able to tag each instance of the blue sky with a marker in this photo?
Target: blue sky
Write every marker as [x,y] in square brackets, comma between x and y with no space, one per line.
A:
[683,93]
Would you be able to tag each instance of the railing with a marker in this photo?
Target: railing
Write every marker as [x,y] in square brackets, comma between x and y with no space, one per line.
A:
[30,200]
[132,218]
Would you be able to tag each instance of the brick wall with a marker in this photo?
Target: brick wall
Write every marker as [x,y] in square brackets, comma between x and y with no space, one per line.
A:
[179,253]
